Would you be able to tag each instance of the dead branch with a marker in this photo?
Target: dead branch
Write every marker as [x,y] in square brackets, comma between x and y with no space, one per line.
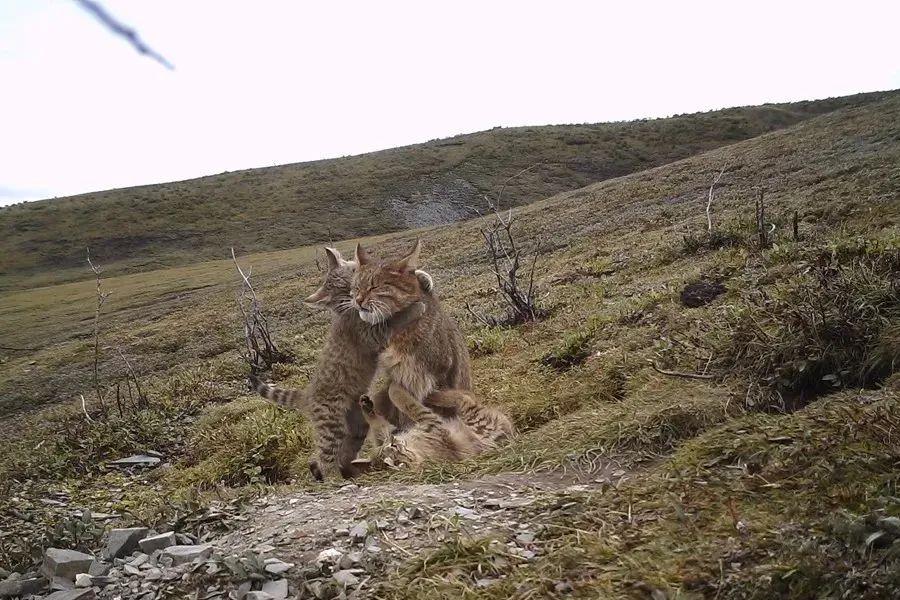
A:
[132,376]
[657,368]
[260,350]
[712,188]
[120,29]
[84,409]
[761,219]
[101,298]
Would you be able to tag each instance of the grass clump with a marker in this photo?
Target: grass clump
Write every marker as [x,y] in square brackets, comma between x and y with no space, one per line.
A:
[244,443]
[574,350]
[832,322]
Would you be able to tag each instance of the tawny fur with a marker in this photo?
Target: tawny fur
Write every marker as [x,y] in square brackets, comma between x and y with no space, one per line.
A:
[473,428]
[430,353]
[345,369]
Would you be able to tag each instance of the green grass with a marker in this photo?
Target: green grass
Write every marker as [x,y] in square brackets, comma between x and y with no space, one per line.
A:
[612,274]
[148,227]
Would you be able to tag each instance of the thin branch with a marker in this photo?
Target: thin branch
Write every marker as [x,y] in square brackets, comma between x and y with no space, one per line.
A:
[120,29]
[505,183]
[133,376]
[84,409]
[657,368]
[101,298]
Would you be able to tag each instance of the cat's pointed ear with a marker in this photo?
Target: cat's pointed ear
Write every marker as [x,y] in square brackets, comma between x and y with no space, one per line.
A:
[362,255]
[320,296]
[334,257]
[410,262]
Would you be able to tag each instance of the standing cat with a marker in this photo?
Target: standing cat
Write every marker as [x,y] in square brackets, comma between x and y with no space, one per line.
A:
[430,353]
[344,371]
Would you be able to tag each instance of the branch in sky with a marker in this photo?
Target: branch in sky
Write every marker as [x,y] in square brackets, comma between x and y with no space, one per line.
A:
[123,30]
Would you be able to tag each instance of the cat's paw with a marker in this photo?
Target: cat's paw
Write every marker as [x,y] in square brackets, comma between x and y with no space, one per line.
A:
[366,404]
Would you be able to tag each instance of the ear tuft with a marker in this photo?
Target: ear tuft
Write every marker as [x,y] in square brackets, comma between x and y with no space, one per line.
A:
[334,258]
[362,255]
[410,262]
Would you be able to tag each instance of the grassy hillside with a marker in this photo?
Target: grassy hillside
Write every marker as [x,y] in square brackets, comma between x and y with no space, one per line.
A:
[763,481]
[144,228]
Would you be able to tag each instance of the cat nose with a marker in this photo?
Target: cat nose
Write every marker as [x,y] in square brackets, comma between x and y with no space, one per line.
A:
[360,299]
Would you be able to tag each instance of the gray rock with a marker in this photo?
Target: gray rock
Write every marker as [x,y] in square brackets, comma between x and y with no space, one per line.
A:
[345,577]
[329,556]
[277,567]
[258,596]
[85,594]
[131,570]
[83,580]
[140,560]
[65,563]
[98,569]
[61,583]
[122,542]
[185,554]
[157,542]
[277,589]
[350,560]
[525,539]
[360,531]
[137,460]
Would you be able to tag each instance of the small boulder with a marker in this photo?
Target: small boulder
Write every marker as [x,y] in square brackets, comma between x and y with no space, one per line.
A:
[59,562]
[360,531]
[346,577]
[277,589]
[122,542]
[81,594]
[329,556]
[186,554]
[701,293]
[157,542]
[277,567]
[258,596]
[137,460]
[83,580]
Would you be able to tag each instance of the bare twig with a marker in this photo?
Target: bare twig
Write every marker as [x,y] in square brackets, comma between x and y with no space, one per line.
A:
[142,400]
[795,226]
[261,352]
[101,298]
[657,368]
[709,224]
[120,29]
[84,409]
[761,219]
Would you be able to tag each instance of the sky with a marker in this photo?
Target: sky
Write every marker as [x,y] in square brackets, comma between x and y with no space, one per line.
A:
[272,82]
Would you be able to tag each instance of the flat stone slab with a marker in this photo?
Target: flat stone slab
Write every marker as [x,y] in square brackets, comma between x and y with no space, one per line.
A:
[186,554]
[278,589]
[151,544]
[122,542]
[59,562]
[137,460]
[85,594]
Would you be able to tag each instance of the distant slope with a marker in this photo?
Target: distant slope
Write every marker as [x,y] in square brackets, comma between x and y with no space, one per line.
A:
[141,228]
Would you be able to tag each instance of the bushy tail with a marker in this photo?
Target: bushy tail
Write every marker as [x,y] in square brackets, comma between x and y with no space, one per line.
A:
[292,399]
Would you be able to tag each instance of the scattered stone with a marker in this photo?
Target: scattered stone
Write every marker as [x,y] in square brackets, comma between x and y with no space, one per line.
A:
[525,539]
[61,583]
[16,585]
[277,567]
[131,570]
[184,554]
[98,569]
[465,513]
[85,594]
[242,590]
[360,531]
[137,460]
[350,560]
[258,596]
[277,589]
[329,556]
[83,580]
[157,542]
[153,574]
[122,542]
[185,539]
[345,577]
[342,532]
[139,560]
[59,562]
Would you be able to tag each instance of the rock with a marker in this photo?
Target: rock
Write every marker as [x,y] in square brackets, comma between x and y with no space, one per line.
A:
[122,542]
[329,556]
[525,539]
[185,539]
[157,542]
[98,569]
[85,594]
[258,596]
[345,577]
[242,590]
[65,563]
[83,580]
[465,513]
[341,532]
[277,589]
[277,567]
[185,554]
[137,460]
[140,560]
[153,574]
[131,570]
[61,583]
[360,531]
[350,560]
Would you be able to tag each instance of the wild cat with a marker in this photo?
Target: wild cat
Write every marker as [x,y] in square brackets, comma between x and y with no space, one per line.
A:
[472,429]
[344,371]
[430,353]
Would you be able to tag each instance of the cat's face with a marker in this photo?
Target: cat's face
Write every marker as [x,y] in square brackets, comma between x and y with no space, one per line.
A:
[382,289]
[334,293]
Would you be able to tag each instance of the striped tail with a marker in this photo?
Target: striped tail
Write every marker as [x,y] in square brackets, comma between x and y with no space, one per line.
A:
[292,399]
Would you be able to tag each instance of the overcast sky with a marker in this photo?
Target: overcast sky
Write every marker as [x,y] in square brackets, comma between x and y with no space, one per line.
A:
[262,83]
